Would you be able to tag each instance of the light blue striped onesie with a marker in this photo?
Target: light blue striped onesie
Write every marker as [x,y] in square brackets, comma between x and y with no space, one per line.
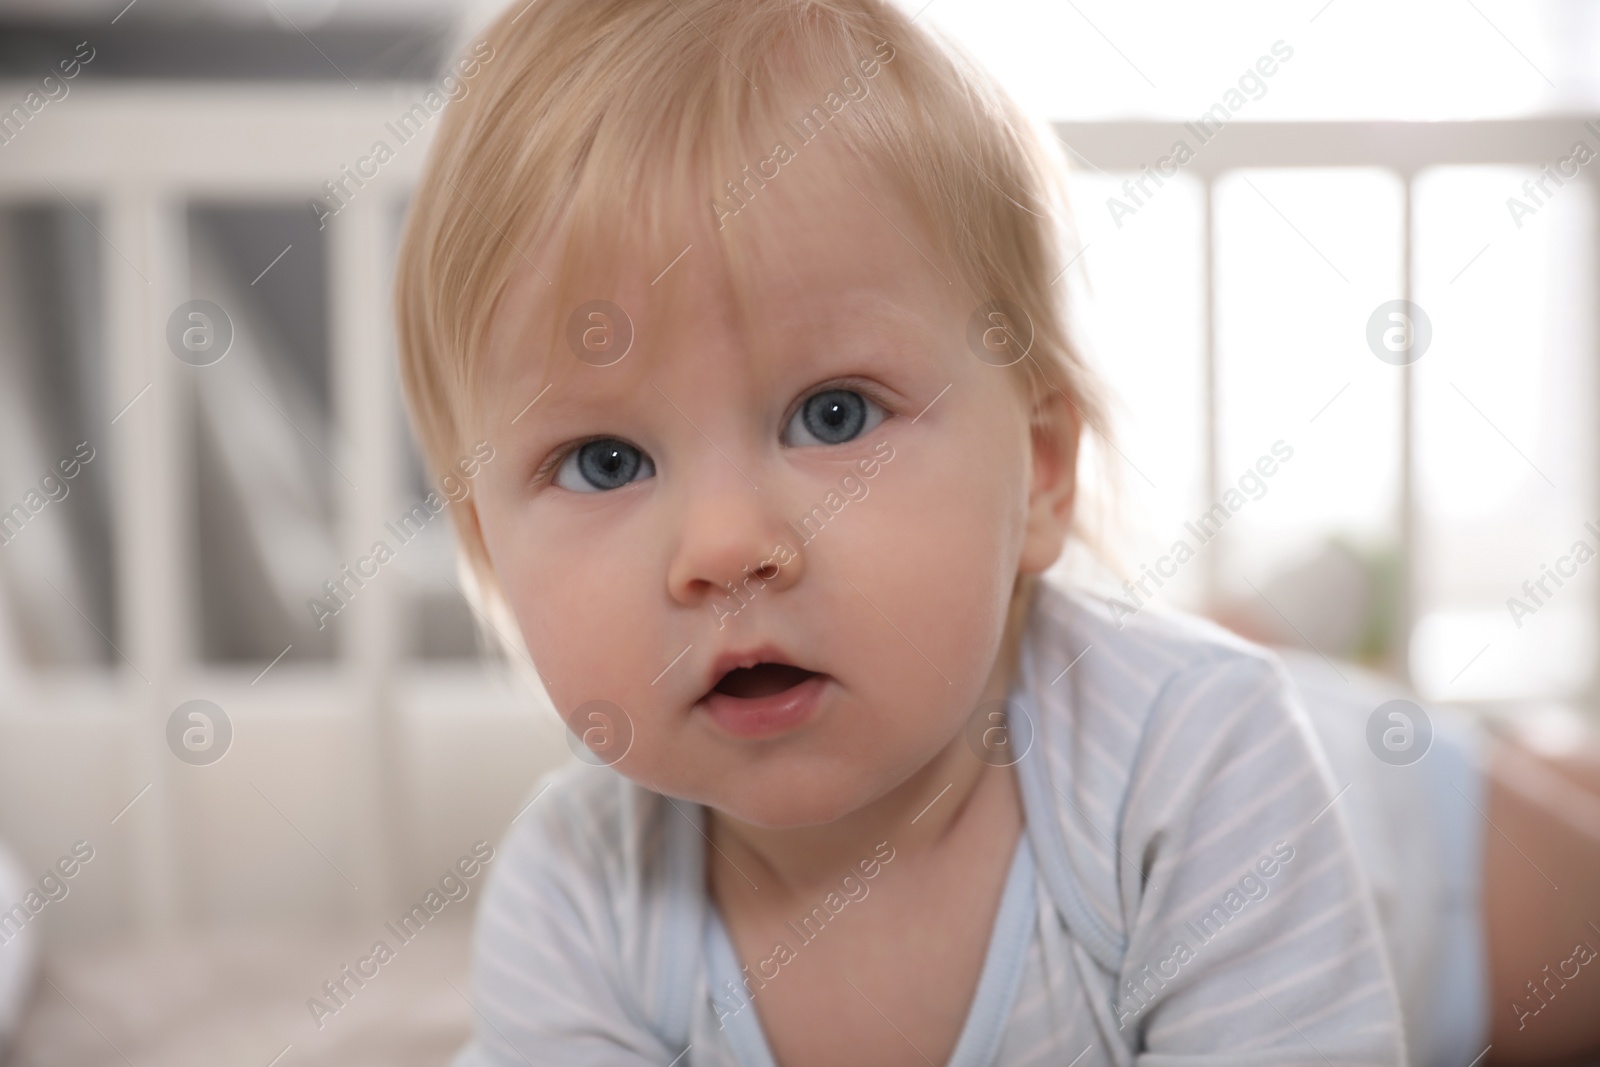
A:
[1192,887]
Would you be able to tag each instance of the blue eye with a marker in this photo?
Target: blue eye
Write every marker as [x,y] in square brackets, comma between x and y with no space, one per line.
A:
[832,417]
[600,465]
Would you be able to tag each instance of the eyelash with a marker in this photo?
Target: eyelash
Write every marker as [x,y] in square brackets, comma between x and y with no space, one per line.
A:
[867,389]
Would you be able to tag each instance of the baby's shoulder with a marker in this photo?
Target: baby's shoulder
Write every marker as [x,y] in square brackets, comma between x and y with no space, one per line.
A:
[580,936]
[1124,699]
[1135,659]
[595,875]
[584,824]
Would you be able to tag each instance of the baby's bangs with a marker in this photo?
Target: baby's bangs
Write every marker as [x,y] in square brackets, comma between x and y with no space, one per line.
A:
[663,150]
[618,128]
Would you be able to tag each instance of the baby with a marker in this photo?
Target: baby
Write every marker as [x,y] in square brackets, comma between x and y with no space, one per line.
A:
[757,302]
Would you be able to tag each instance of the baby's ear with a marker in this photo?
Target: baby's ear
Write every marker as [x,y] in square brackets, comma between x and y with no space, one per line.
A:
[1055,429]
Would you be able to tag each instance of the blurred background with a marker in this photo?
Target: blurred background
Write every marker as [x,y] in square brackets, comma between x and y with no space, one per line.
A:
[200,427]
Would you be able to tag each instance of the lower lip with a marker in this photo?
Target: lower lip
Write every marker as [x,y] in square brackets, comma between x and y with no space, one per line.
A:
[757,717]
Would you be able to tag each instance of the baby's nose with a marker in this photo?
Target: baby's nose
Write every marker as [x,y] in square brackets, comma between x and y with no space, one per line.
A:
[731,533]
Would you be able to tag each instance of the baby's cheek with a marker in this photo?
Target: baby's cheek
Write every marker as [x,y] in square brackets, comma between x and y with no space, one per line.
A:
[938,556]
[562,609]
[596,633]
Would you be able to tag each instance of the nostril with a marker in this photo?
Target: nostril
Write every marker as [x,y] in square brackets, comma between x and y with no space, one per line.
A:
[767,571]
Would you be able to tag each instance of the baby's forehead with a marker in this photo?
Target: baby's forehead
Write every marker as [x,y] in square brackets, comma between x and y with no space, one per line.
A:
[766,327]
[820,256]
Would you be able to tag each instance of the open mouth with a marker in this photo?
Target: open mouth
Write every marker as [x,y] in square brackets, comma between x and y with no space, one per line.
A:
[760,700]
[764,679]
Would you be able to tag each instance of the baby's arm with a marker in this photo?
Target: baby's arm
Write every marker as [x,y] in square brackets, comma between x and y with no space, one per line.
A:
[1252,934]
[545,957]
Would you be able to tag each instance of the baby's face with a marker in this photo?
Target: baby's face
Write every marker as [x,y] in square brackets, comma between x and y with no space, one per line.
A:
[847,463]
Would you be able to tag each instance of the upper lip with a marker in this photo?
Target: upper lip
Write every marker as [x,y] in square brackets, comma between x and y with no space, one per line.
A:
[734,659]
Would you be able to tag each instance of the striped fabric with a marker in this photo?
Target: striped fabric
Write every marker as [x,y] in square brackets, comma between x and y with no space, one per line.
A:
[1186,891]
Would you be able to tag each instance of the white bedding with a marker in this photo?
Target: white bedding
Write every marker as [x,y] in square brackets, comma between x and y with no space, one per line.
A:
[236,996]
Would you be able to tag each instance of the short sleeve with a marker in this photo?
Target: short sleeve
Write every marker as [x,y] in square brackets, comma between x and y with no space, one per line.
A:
[1252,936]
[548,973]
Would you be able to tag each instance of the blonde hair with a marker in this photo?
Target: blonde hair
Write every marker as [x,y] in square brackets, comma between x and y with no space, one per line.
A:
[586,105]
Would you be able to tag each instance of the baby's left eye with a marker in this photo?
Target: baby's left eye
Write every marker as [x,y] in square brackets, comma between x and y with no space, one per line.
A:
[832,417]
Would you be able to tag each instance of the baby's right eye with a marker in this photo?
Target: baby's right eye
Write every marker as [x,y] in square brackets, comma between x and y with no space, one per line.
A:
[603,464]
